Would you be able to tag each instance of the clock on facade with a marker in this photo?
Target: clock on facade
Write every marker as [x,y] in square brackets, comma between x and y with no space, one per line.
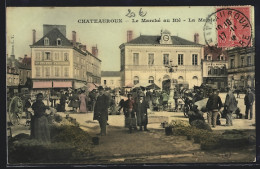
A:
[166,37]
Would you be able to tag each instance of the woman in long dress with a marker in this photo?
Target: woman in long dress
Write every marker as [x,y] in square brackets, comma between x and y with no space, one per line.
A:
[39,123]
[83,102]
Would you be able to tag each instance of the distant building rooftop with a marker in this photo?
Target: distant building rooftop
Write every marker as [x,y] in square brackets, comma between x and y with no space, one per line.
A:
[110,73]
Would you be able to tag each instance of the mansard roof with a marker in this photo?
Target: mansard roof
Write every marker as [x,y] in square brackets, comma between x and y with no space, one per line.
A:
[154,40]
[53,35]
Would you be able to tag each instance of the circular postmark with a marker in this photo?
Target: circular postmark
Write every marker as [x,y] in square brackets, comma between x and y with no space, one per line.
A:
[228,27]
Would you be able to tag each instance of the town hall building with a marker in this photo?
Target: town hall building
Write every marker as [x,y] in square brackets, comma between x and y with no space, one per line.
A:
[147,59]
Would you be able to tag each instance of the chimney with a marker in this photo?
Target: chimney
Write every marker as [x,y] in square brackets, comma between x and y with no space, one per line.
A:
[74,38]
[196,38]
[84,47]
[95,51]
[34,36]
[129,35]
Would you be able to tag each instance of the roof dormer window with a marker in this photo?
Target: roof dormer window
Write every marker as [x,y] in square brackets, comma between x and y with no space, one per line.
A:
[58,42]
[209,57]
[46,41]
[221,57]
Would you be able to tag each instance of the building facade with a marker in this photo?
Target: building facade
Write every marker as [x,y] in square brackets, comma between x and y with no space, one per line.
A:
[145,60]
[241,71]
[18,72]
[214,66]
[111,79]
[61,63]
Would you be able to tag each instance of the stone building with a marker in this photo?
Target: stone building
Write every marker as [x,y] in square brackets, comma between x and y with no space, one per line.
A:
[145,60]
[214,66]
[18,72]
[241,71]
[111,79]
[12,75]
[58,62]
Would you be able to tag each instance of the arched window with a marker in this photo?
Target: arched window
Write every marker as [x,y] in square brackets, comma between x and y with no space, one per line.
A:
[209,57]
[151,79]
[194,81]
[180,79]
[221,57]
[136,80]
[166,77]
[195,78]
[46,41]
[58,42]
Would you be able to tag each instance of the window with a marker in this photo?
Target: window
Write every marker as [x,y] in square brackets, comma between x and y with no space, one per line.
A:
[38,56]
[232,63]
[56,56]
[28,74]
[151,79]
[209,70]
[38,71]
[47,56]
[221,57]
[66,57]
[47,71]
[180,79]
[194,59]
[57,71]
[180,59]
[195,78]
[66,72]
[58,42]
[105,82]
[242,61]
[209,57]
[249,63]
[136,80]
[75,72]
[46,41]
[166,59]
[136,59]
[150,59]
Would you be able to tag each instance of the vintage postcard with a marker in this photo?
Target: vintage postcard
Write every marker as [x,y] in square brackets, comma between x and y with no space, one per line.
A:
[130,85]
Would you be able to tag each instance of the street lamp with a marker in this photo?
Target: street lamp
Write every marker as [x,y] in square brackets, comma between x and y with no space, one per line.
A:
[172,68]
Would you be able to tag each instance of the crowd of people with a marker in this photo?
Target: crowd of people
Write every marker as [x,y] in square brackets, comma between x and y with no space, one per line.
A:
[215,106]
[135,107]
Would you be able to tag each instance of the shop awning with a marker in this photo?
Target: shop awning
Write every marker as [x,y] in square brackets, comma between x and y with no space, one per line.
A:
[91,86]
[42,84]
[65,84]
[78,85]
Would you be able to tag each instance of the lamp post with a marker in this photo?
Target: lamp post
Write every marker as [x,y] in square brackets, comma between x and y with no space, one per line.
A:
[172,68]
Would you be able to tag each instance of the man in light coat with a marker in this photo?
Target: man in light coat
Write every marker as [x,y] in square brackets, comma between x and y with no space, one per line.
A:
[230,105]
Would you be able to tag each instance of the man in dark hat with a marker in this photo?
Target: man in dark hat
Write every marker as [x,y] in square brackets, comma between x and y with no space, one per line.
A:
[101,110]
[141,112]
[213,105]
[249,100]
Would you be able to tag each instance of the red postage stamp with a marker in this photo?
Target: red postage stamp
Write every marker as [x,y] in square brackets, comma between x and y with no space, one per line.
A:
[233,27]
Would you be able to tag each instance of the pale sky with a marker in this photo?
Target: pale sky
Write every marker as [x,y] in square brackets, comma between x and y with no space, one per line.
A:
[108,36]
